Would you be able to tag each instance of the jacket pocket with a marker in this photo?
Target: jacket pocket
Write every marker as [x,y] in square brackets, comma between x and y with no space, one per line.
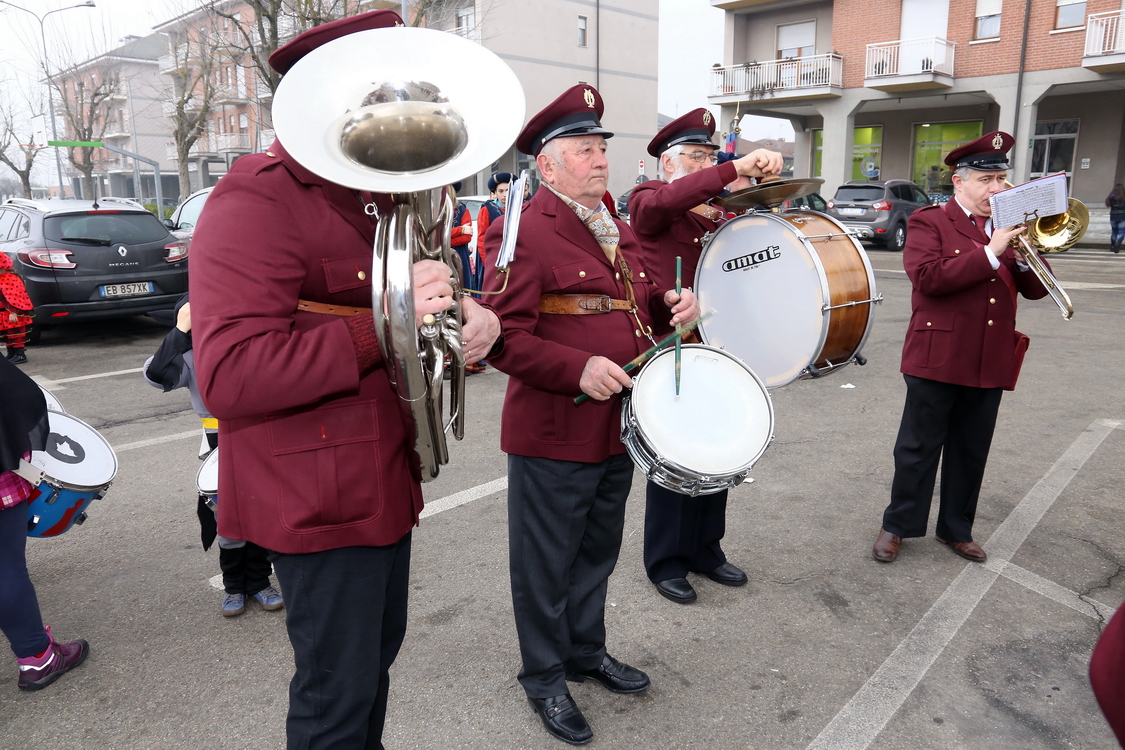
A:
[341,274]
[572,276]
[931,339]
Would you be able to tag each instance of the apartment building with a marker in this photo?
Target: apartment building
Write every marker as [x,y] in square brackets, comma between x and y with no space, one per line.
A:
[132,118]
[889,89]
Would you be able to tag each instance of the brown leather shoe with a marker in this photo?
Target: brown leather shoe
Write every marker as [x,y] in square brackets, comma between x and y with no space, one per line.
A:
[886,546]
[968,550]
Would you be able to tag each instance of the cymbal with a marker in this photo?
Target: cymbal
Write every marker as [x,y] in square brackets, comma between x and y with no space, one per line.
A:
[768,194]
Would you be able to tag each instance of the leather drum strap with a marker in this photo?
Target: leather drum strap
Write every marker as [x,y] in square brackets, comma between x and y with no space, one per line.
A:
[581,304]
[304,305]
[707,211]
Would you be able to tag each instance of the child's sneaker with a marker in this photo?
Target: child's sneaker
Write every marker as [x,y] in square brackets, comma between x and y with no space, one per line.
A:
[269,598]
[38,672]
[233,605]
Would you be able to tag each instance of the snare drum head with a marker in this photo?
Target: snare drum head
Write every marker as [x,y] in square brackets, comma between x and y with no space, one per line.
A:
[207,479]
[76,454]
[722,421]
[767,290]
[52,402]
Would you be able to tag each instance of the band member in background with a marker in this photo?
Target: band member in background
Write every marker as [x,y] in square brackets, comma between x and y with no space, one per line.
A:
[498,186]
[568,472]
[670,217]
[962,351]
[314,444]
[15,312]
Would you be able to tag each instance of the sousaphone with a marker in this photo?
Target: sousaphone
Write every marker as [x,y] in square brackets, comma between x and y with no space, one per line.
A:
[406,112]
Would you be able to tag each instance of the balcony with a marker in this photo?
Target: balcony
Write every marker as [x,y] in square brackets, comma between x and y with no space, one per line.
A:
[233,142]
[910,65]
[265,139]
[1105,42]
[262,90]
[116,130]
[228,93]
[813,77]
[119,164]
[201,148]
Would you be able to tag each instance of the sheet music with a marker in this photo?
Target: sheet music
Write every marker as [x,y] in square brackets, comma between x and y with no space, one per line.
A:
[1043,197]
[512,213]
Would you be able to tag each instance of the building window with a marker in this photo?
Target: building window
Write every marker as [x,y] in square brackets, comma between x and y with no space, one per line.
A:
[243,123]
[1053,146]
[466,21]
[582,39]
[796,40]
[988,19]
[1070,13]
[932,143]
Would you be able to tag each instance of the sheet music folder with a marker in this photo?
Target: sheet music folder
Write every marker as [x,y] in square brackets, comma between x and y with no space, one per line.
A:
[1030,201]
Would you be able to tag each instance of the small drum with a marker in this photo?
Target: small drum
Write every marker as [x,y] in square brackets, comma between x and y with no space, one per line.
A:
[793,294]
[207,479]
[78,467]
[707,439]
[52,402]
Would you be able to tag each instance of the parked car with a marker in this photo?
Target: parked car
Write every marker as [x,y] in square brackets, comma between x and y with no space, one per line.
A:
[878,211]
[86,260]
[810,202]
[183,220]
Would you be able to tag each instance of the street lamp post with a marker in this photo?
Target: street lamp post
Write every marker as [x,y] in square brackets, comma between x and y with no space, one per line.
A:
[47,72]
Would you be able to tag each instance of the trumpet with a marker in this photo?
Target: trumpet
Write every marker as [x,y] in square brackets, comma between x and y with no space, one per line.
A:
[1053,234]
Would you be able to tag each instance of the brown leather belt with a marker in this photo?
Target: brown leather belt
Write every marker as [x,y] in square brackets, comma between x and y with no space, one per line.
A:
[581,304]
[343,311]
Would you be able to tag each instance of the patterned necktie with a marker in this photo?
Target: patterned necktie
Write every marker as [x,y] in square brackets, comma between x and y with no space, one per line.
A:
[598,222]
[980,221]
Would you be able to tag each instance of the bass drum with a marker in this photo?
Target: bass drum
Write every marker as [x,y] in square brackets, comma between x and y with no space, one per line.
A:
[792,293]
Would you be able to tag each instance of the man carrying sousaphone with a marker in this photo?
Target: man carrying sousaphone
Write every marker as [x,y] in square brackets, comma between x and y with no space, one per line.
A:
[670,217]
[314,450]
[579,306]
[962,351]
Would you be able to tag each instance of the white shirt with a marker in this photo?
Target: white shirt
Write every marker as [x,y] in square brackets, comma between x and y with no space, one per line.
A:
[987,231]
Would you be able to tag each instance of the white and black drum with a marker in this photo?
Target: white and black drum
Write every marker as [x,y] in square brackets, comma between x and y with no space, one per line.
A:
[792,293]
[207,479]
[78,467]
[707,439]
[53,403]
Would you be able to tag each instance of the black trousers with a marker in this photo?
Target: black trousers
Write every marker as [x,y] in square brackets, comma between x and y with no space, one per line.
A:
[682,533]
[346,616]
[565,521]
[246,569]
[953,423]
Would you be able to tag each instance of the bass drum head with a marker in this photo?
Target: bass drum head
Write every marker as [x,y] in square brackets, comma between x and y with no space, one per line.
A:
[720,424]
[53,403]
[76,456]
[766,289]
[207,478]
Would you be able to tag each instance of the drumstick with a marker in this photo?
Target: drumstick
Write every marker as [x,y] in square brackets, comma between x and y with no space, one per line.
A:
[679,339]
[640,359]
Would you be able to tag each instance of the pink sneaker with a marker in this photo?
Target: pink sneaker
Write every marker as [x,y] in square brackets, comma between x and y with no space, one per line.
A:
[37,672]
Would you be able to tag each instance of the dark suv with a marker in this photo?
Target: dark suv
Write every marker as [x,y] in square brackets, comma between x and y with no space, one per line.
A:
[82,260]
[878,210]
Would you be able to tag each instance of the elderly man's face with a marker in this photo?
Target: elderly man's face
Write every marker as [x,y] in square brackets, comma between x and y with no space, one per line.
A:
[692,158]
[581,172]
[975,191]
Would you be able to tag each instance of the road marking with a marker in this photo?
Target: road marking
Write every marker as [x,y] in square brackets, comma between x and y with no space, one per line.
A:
[54,385]
[861,720]
[1091,285]
[158,440]
[1051,590]
[465,496]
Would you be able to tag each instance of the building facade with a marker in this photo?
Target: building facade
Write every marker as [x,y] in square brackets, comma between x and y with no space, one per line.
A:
[888,89]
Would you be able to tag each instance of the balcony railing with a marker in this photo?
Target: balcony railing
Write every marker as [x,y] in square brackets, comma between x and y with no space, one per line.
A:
[119,164]
[200,147]
[233,141]
[1105,33]
[265,139]
[910,57]
[228,93]
[772,76]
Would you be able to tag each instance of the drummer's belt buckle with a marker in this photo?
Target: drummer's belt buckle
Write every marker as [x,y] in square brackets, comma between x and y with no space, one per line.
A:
[602,304]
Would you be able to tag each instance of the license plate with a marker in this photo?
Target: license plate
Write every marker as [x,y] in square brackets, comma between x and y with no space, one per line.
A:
[127,290]
[853,211]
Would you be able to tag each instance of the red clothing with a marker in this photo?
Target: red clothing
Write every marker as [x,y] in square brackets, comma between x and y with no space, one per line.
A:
[15,305]
[484,220]
[1107,673]
[14,489]
[457,235]
[963,327]
[313,451]
[545,354]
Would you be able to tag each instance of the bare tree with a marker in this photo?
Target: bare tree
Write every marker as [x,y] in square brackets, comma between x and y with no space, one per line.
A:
[17,149]
[84,97]
[192,90]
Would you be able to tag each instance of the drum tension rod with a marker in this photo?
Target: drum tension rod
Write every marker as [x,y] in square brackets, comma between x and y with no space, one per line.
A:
[853,303]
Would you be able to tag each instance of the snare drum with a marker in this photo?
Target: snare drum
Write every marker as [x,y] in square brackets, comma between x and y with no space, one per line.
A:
[78,467]
[52,402]
[207,479]
[793,294]
[707,439]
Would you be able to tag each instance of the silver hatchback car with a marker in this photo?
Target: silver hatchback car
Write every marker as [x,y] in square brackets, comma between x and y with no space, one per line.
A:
[878,211]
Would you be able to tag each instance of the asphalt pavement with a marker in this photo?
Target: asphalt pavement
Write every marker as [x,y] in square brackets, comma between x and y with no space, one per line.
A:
[824,648]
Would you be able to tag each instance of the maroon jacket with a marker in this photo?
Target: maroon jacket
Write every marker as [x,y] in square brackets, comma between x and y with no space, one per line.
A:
[313,455]
[545,353]
[660,215]
[963,327]
[1107,673]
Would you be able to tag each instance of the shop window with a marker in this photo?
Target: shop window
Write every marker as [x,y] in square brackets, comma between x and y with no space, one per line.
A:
[988,19]
[1053,146]
[1070,13]
[867,149]
[932,143]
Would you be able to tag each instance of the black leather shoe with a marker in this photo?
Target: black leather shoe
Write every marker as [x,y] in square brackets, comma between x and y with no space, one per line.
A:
[17,357]
[562,718]
[728,575]
[617,677]
[676,589]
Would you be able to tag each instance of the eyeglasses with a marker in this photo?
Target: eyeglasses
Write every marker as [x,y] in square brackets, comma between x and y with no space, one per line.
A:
[700,156]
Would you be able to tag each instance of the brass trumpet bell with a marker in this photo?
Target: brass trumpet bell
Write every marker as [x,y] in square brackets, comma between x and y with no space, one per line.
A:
[1059,233]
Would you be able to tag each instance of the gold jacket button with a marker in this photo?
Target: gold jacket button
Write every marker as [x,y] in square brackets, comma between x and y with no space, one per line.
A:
[696,240]
[362,275]
[638,333]
[582,274]
[617,276]
[642,274]
[990,322]
[993,279]
[992,301]
[956,252]
[929,323]
[270,153]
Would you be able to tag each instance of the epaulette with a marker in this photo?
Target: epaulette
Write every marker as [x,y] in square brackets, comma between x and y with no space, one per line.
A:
[923,208]
[255,163]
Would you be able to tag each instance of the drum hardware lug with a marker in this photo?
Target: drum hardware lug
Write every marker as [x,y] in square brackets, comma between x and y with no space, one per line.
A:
[813,370]
[210,503]
[860,360]
[32,523]
[825,308]
[80,518]
[101,493]
[53,496]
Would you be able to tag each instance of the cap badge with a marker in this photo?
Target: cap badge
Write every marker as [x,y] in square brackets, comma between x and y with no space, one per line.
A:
[706,118]
[997,142]
[588,97]
[399,23]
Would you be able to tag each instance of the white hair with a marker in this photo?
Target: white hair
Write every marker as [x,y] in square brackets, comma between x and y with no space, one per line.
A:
[553,150]
[678,170]
[964,172]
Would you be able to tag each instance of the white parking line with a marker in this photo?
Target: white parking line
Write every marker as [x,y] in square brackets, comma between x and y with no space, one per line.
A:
[157,441]
[55,385]
[859,722]
[1051,590]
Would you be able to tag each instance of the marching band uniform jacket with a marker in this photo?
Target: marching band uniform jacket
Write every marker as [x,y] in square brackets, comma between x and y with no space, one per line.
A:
[963,327]
[545,354]
[660,213]
[313,454]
